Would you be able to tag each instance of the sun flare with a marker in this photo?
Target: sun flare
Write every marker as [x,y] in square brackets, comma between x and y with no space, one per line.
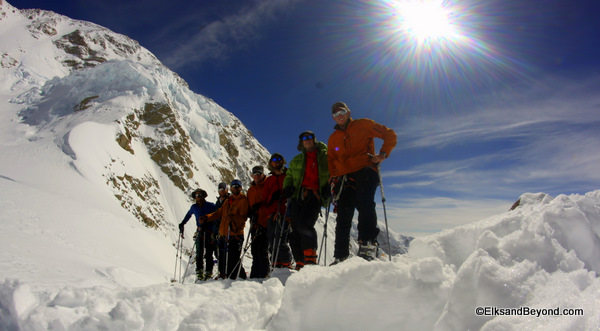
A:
[426,19]
[439,46]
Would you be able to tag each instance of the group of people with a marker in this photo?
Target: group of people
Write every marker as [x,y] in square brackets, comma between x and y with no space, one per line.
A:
[284,206]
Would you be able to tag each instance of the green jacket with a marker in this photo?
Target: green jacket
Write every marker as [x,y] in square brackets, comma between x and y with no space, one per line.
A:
[295,173]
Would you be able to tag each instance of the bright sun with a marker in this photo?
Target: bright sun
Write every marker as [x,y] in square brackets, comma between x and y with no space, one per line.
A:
[426,19]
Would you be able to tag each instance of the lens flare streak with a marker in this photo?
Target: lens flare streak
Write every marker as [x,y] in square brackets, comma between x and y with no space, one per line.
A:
[392,41]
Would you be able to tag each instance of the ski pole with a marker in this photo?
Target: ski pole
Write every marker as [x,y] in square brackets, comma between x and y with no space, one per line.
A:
[248,242]
[181,256]
[191,255]
[332,200]
[281,234]
[174,279]
[205,262]
[227,252]
[274,248]
[387,230]
[276,240]
[324,238]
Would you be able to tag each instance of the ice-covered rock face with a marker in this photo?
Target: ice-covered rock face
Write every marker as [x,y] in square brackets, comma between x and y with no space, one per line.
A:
[123,118]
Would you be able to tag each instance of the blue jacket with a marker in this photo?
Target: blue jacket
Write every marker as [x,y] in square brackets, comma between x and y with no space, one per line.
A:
[198,211]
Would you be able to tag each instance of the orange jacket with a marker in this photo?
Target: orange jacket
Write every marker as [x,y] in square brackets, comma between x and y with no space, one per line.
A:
[348,150]
[256,195]
[233,214]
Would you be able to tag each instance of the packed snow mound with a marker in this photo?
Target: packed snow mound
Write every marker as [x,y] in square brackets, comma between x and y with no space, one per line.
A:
[543,254]
[520,270]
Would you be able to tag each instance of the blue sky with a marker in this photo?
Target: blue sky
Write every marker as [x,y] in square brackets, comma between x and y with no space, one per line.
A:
[506,104]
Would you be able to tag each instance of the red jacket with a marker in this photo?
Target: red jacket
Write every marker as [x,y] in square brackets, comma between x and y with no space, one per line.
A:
[274,183]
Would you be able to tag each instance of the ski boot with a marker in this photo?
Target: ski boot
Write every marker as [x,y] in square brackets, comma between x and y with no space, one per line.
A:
[367,250]
[281,265]
[310,256]
[338,260]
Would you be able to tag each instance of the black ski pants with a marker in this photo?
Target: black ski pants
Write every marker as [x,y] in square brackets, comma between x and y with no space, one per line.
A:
[260,252]
[304,214]
[229,256]
[358,193]
[206,247]
[278,239]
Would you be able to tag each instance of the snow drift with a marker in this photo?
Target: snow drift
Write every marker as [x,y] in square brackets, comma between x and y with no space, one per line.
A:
[523,269]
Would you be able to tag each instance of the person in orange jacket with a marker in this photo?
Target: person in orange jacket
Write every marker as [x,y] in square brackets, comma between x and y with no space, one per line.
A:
[233,215]
[353,170]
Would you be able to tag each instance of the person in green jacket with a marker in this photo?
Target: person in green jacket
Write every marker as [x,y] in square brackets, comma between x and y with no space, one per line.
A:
[306,185]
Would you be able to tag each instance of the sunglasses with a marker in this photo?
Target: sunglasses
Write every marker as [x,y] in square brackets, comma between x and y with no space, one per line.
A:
[257,173]
[198,195]
[308,137]
[236,186]
[222,189]
[340,113]
[276,159]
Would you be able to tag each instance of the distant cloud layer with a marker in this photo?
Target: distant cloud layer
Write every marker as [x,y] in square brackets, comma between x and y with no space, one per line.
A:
[549,109]
[218,39]
[546,139]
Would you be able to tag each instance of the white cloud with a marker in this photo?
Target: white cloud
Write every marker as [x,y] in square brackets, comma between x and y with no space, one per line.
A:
[423,216]
[547,143]
[540,111]
[218,39]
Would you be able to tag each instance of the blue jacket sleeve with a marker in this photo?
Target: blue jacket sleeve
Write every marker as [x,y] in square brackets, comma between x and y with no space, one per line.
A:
[188,216]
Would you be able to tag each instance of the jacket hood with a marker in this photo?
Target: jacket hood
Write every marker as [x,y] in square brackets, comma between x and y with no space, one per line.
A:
[301,146]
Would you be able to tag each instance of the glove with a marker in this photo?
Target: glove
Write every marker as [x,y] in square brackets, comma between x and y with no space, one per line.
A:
[181,225]
[276,196]
[335,185]
[255,207]
[288,191]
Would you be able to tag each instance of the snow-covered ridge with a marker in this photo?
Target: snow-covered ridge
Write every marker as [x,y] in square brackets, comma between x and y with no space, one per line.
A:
[45,44]
[67,76]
